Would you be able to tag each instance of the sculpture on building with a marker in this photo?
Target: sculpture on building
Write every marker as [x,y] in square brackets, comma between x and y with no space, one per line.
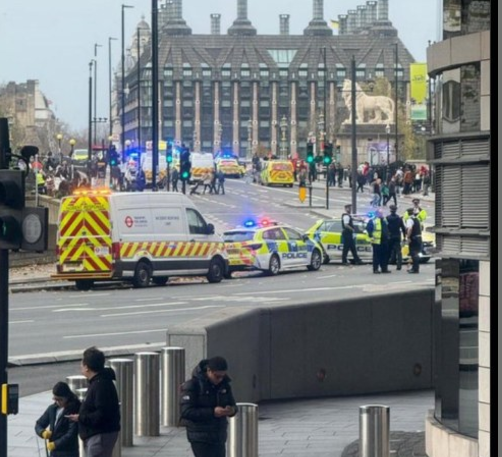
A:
[370,109]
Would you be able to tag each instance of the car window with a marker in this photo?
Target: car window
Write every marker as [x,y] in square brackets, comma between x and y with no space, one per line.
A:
[292,234]
[273,234]
[333,226]
[234,237]
[359,226]
[196,224]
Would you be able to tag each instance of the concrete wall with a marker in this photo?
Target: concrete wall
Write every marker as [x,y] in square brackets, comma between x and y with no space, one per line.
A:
[375,343]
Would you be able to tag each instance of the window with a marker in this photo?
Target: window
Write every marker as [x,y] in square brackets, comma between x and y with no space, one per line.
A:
[196,223]
[293,235]
[273,234]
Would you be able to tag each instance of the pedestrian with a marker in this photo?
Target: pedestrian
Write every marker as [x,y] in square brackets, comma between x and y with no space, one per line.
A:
[212,189]
[427,183]
[408,181]
[331,175]
[302,176]
[393,190]
[377,193]
[175,175]
[349,237]
[378,232]
[207,179]
[340,175]
[206,403]
[220,176]
[99,415]
[396,228]
[53,425]
[361,180]
[414,238]
[385,193]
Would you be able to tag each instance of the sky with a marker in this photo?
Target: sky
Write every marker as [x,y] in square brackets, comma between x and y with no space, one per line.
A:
[53,41]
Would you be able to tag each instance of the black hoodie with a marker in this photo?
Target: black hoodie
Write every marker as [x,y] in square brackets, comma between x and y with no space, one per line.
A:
[199,397]
[100,411]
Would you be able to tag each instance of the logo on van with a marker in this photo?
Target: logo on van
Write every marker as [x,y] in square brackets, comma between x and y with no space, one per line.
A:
[128,221]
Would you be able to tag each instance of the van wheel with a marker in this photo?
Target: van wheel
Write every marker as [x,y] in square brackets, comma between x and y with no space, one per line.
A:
[142,275]
[274,266]
[315,261]
[160,280]
[84,284]
[216,271]
[228,275]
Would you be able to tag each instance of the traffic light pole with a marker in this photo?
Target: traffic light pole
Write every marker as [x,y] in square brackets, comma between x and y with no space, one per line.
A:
[168,177]
[4,295]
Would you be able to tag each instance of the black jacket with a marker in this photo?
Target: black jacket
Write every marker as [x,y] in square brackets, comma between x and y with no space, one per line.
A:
[100,411]
[64,433]
[396,225]
[199,397]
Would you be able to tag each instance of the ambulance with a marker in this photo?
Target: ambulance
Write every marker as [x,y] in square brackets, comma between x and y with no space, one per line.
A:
[142,238]
[202,163]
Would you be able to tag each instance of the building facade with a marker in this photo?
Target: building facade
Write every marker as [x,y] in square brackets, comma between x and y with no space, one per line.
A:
[242,91]
[460,150]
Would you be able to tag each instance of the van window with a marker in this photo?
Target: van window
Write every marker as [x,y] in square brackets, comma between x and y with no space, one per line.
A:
[167,220]
[196,224]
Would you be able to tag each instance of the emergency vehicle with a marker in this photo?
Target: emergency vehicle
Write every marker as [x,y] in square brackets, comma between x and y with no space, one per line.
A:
[137,237]
[202,163]
[277,172]
[271,248]
[230,167]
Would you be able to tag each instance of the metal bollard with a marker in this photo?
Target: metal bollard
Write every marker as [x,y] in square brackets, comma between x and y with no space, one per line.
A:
[75,382]
[243,432]
[172,375]
[124,372]
[147,393]
[80,393]
[374,435]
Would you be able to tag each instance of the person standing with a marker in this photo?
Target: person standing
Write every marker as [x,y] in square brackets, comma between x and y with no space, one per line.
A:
[175,176]
[206,403]
[414,237]
[99,415]
[396,227]
[420,213]
[348,237]
[361,181]
[393,190]
[54,426]
[379,233]
[207,179]
[220,176]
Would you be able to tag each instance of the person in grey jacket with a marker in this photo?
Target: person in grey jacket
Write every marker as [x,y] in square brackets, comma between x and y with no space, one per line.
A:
[206,403]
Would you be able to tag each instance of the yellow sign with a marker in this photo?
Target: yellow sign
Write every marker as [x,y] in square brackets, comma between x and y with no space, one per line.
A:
[302,193]
[418,76]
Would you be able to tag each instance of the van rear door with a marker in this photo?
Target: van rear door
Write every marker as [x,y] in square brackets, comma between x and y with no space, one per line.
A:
[84,236]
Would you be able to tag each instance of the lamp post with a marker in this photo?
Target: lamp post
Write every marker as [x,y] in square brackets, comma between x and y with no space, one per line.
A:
[96,46]
[72,145]
[249,152]
[283,125]
[110,85]
[122,87]
[395,100]
[387,131]
[59,137]
[89,125]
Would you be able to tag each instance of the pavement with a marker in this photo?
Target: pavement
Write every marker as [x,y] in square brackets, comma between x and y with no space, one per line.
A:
[321,427]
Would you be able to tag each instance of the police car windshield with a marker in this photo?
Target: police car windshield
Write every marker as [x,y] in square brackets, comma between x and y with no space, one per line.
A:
[231,237]
[282,166]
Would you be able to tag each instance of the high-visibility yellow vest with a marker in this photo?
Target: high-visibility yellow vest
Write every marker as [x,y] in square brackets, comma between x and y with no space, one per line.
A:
[376,237]
[40,179]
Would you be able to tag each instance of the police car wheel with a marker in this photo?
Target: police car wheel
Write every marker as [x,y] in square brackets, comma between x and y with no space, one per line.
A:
[142,275]
[216,271]
[315,261]
[160,280]
[325,259]
[84,284]
[274,266]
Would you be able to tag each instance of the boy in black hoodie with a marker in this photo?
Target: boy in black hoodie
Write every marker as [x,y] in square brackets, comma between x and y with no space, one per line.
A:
[99,416]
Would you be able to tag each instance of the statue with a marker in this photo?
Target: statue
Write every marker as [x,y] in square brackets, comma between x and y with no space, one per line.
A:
[369,108]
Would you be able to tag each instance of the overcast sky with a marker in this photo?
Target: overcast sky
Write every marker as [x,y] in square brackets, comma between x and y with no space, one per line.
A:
[53,40]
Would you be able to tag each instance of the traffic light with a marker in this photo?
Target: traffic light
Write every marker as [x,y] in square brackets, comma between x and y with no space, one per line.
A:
[169,152]
[114,157]
[328,154]
[185,164]
[20,227]
[310,152]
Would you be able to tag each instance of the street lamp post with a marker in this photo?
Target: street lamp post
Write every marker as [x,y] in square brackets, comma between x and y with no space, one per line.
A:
[387,131]
[59,137]
[249,153]
[96,46]
[110,39]
[396,100]
[72,145]
[122,87]
[283,125]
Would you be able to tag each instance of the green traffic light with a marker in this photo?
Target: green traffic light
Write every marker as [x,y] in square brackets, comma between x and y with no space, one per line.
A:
[310,159]
[169,159]
[327,160]
[184,174]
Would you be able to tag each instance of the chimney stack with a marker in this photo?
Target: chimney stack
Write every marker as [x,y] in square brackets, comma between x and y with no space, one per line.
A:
[284,24]
[361,16]
[342,24]
[318,26]
[371,12]
[351,21]
[318,10]
[215,24]
[242,25]
[383,10]
[176,25]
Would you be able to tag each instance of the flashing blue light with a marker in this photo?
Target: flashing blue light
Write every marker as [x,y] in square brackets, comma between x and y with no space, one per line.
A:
[371,215]
[133,155]
[249,223]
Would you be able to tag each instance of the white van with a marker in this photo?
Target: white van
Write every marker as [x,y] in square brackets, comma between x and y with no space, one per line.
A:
[140,237]
[202,163]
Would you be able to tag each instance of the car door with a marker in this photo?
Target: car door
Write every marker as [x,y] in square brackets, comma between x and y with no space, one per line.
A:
[298,252]
[200,245]
[330,236]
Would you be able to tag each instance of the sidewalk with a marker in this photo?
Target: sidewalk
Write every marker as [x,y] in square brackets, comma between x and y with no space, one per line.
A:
[324,427]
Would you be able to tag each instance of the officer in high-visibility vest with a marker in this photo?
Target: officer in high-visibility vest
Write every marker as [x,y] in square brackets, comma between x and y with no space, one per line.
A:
[421,214]
[40,182]
[378,231]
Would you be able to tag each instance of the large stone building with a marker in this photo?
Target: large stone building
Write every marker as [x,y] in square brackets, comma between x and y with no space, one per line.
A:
[241,90]
[460,150]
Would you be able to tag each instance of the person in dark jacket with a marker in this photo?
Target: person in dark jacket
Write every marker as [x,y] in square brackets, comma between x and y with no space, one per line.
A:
[206,402]
[99,415]
[54,426]
[396,228]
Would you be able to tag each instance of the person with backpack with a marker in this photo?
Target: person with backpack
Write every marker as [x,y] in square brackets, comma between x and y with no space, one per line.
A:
[206,403]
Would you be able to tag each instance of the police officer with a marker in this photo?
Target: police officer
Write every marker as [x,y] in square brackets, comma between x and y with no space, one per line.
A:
[396,227]
[414,238]
[421,213]
[379,233]
[348,237]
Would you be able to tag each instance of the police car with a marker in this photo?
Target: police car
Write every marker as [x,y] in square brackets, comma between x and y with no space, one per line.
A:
[328,232]
[271,248]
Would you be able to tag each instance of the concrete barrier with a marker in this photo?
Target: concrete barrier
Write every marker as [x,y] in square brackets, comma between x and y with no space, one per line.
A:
[369,344]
